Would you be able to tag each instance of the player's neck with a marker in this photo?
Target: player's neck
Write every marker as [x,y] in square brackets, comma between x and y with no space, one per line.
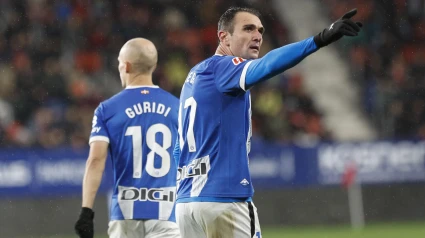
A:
[223,50]
[140,80]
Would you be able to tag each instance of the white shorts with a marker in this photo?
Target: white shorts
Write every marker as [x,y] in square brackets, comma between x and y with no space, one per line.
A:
[215,219]
[143,229]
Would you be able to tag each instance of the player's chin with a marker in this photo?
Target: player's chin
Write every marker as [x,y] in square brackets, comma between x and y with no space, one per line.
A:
[254,53]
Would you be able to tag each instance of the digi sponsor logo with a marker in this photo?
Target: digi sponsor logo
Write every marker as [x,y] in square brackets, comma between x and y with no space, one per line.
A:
[237,60]
[192,170]
[147,194]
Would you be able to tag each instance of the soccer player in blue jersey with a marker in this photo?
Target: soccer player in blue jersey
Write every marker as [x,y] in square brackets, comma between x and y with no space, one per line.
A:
[138,127]
[214,188]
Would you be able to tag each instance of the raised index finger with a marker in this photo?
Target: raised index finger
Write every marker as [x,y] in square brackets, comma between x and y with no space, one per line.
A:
[350,14]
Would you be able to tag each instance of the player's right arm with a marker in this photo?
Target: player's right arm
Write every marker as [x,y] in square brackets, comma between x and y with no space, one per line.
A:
[92,177]
[99,142]
[94,171]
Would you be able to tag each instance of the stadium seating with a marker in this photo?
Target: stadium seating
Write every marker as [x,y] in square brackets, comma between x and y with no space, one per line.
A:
[58,61]
[388,62]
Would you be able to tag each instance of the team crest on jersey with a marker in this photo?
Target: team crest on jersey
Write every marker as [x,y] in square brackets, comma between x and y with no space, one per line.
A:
[144,91]
[237,60]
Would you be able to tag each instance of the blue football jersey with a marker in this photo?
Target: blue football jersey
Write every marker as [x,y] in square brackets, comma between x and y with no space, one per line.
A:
[140,125]
[215,132]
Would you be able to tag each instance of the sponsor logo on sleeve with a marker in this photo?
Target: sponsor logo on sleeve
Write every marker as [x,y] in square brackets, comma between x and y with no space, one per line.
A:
[237,60]
[95,129]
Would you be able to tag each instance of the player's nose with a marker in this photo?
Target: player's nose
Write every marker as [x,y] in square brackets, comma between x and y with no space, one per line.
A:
[257,37]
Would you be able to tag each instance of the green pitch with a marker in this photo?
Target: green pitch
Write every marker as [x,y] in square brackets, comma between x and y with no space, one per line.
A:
[391,230]
[396,230]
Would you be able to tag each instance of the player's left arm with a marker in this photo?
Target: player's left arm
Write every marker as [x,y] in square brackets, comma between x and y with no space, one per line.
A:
[277,61]
[283,58]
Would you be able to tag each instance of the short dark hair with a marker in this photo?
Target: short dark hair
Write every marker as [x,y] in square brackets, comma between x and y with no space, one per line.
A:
[226,20]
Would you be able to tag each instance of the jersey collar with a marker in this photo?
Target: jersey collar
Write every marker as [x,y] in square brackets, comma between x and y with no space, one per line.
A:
[142,86]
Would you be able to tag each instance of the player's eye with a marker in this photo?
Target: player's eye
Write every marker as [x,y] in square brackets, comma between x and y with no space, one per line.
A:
[261,30]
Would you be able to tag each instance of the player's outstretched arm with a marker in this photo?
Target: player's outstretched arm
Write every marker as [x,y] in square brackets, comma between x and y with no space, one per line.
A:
[277,61]
[285,57]
[92,178]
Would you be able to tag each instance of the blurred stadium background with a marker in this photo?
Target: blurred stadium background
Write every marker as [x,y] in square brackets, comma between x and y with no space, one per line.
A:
[350,120]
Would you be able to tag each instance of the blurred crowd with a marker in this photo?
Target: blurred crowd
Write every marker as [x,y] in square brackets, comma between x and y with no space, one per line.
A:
[58,60]
[388,62]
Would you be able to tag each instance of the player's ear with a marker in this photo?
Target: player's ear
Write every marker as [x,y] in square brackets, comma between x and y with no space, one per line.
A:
[223,36]
[127,67]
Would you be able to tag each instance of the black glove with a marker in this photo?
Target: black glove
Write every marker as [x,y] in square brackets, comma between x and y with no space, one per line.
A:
[342,27]
[84,225]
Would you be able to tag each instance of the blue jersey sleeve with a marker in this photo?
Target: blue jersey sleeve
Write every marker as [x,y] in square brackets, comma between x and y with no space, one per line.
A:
[278,60]
[99,131]
[229,73]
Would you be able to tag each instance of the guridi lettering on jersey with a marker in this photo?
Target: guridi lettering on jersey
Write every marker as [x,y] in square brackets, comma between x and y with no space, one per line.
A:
[147,107]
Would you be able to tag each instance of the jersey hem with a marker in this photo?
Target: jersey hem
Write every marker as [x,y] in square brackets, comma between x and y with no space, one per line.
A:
[139,218]
[214,199]
[220,196]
